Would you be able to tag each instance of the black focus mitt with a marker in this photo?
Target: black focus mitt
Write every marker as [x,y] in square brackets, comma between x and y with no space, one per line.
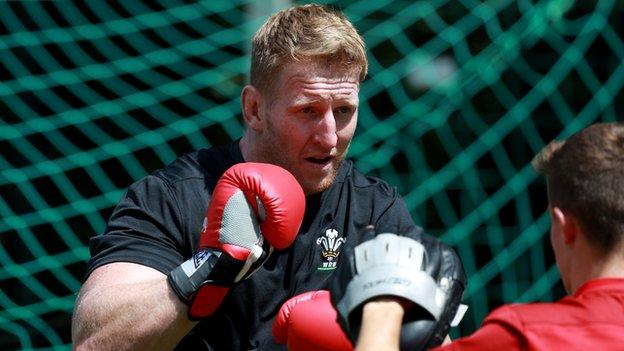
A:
[427,273]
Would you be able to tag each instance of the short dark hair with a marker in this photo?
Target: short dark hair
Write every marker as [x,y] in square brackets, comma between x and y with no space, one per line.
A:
[586,178]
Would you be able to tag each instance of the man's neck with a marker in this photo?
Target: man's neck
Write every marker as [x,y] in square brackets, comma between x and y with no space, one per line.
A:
[245,148]
[596,267]
[613,266]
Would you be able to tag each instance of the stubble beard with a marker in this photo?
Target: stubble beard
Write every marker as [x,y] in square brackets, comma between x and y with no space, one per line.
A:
[326,181]
[310,185]
[274,152]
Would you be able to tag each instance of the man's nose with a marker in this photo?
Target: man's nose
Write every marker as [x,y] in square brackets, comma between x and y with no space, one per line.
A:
[325,133]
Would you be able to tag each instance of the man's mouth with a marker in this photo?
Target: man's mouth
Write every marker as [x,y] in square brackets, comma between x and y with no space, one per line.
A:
[319,160]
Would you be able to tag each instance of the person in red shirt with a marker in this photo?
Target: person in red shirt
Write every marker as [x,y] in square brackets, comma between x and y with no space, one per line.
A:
[585,176]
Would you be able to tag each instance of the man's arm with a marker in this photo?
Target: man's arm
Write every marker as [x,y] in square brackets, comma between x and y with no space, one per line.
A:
[500,331]
[492,337]
[254,207]
[381,325]
[126,306]
[381,328]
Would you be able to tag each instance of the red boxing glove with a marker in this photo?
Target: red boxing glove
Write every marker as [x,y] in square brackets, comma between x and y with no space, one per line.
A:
[254,208]
[308,322]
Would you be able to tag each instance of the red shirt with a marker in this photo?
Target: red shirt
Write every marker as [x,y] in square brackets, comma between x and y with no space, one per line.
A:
[591,319]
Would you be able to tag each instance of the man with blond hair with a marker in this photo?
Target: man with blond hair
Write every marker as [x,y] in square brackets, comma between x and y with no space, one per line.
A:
[202,254]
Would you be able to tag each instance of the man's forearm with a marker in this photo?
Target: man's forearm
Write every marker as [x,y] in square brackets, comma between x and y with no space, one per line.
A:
[146,315]
[381,326]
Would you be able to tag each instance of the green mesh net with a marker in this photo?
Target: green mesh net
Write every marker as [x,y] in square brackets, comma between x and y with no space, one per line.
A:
[460,96]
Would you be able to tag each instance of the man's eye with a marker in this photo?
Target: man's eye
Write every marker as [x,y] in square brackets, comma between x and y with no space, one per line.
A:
[307,110]
[344,110]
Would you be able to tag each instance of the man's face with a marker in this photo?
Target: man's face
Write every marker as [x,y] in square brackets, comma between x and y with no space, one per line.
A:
[308,122]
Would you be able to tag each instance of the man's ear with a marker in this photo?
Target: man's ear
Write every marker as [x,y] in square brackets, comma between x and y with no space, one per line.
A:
[251,99]
[568,224]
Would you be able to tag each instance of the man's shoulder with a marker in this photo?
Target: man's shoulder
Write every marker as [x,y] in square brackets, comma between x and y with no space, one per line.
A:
[566,310]
[367,182]
[206,164]
[525,312]
[183,168]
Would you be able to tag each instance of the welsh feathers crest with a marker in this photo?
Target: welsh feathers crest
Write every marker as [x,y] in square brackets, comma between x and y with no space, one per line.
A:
[330,245]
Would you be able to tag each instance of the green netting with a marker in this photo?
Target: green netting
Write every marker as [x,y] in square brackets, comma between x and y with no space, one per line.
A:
[461,95]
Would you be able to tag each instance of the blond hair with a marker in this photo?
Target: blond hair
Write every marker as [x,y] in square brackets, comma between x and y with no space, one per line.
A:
[305,33]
